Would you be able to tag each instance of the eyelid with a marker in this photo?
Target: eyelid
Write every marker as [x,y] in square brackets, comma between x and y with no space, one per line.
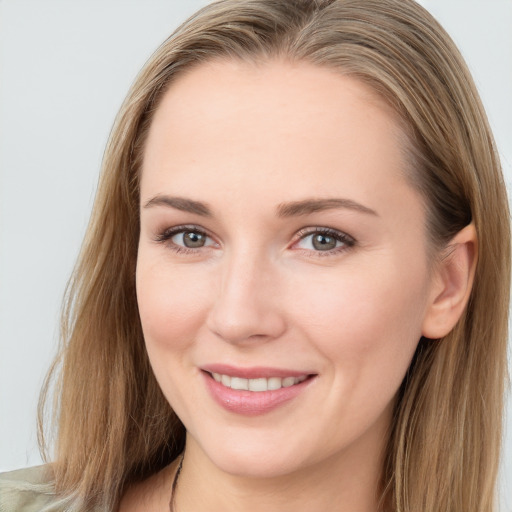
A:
[347,240]
[167,234]
[165,237]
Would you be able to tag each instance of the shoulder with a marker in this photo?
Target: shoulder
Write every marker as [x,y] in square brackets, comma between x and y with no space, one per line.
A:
[29,490]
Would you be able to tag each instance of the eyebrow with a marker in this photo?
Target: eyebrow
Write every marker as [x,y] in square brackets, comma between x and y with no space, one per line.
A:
[180,203]
[291,209]
[307,206]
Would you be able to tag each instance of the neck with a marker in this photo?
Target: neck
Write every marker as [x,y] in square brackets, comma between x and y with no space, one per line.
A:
[343,482]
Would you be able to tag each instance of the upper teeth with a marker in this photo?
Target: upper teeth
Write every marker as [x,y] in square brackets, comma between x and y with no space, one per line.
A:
[261,384]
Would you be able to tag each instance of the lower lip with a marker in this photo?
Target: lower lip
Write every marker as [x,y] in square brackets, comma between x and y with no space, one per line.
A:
[252,403]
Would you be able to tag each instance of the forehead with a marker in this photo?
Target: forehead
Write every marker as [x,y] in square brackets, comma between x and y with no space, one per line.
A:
[295,125]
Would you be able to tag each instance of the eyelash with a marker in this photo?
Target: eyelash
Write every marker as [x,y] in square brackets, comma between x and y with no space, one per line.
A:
[348,241]
[165,238]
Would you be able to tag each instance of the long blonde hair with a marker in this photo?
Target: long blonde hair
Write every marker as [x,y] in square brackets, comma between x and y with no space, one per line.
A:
[115,426]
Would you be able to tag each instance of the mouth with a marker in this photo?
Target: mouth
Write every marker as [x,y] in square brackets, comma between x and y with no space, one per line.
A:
[257,385]
[254,391]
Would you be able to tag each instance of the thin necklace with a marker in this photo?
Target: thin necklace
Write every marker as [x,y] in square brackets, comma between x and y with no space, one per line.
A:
[174,483]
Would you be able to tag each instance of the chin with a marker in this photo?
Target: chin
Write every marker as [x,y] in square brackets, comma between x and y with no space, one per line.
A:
[265,459]
[257,467]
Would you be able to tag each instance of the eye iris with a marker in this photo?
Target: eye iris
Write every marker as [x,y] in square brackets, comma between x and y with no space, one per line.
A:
[323,242]
[193,239]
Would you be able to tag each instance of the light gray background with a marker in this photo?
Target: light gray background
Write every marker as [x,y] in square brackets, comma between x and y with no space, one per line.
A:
[65,67]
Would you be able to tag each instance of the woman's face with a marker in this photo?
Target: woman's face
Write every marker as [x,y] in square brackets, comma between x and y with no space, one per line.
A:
[283,252]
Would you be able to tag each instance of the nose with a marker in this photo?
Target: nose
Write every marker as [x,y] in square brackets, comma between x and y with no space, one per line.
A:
[245,308]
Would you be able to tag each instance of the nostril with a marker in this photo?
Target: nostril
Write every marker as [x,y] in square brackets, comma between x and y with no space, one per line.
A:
[246,325]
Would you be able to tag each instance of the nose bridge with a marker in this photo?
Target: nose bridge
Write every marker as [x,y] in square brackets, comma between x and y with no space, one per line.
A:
[244,305]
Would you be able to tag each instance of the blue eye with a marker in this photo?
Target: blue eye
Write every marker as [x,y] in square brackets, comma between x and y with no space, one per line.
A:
[324,240]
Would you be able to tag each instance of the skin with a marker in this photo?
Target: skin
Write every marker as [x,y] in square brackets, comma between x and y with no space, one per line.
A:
[258,293]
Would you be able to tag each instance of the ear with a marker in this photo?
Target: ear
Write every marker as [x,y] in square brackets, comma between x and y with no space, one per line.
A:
[451,284]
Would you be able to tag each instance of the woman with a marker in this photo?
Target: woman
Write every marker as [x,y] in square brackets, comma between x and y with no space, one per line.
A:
[293,292]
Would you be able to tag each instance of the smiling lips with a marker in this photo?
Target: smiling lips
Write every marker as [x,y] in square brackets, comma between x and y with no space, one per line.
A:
[258,385]
[254,391]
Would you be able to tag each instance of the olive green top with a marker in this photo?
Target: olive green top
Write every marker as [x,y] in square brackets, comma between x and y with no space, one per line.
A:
[32,490]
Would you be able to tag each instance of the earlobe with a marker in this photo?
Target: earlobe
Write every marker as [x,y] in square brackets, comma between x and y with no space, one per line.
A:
[452,283]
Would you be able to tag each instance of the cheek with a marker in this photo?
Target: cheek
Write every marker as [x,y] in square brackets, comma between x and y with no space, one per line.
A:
[367,324]
[171,311]
[171,305]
